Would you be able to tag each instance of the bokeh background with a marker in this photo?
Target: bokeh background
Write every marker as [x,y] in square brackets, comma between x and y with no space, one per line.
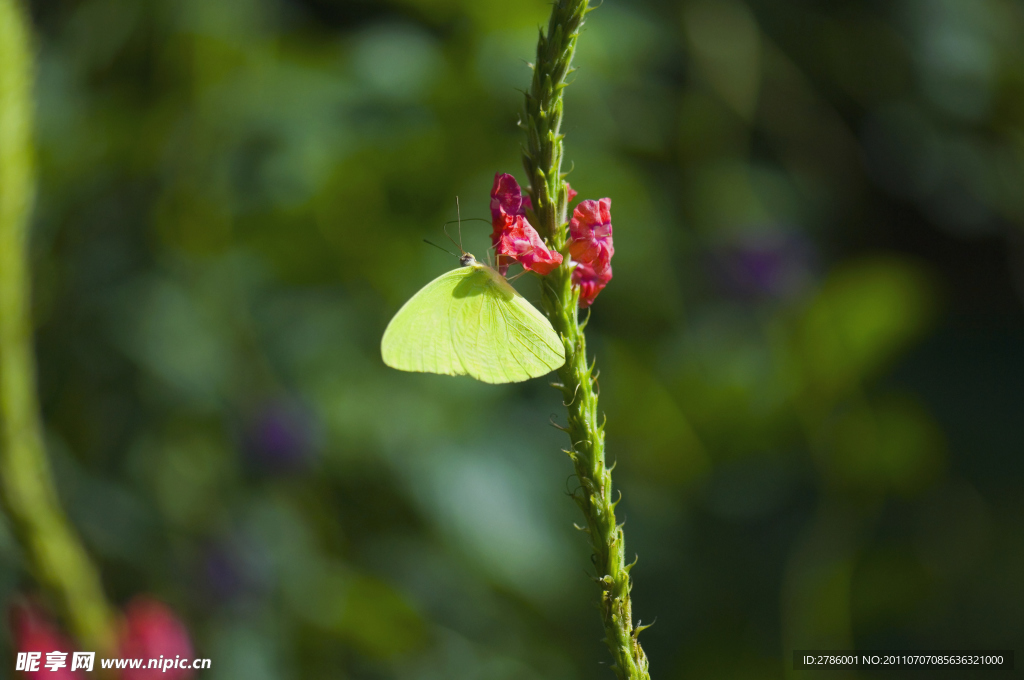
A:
[812,353]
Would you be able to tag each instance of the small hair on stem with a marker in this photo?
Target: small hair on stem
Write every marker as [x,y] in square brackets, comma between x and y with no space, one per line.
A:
[556,425]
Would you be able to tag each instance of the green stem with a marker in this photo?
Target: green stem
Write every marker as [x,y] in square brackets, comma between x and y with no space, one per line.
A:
[542,159]
[57,558]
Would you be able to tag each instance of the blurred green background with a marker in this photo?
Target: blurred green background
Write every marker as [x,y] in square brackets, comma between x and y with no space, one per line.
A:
[812,353]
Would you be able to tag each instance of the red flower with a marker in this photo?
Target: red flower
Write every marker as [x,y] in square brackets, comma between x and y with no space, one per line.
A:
[507,197]
[513,237]
[590,281]
[151,630]
[590,232]
[570,192]
[34,634]
[519,241]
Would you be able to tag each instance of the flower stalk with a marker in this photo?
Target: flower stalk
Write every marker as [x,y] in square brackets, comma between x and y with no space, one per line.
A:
[542,158]
[56,556]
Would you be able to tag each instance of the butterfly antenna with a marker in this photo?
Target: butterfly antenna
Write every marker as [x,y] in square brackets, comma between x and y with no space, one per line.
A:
[458,244]
[440,248]
[444,228]
[458,211]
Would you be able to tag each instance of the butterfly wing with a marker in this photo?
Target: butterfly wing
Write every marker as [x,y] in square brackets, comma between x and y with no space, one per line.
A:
[470,321]
[498,335]
[419,336]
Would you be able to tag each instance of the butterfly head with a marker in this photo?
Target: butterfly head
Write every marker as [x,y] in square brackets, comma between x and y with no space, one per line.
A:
[467,260]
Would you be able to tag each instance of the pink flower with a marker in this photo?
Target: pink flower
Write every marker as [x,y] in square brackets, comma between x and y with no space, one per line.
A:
[590,232]
[33,632]
[507,197]
[590,281]
[513,237]
[519,241]
[590,245]
[151,630]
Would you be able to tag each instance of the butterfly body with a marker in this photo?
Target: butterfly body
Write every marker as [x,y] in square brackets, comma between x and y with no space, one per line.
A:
[471,321]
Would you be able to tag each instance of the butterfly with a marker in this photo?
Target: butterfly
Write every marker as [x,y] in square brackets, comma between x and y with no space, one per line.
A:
[471,321]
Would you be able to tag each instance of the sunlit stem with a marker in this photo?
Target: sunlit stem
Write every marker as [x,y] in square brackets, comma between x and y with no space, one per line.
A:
[542,158]
[55,555]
